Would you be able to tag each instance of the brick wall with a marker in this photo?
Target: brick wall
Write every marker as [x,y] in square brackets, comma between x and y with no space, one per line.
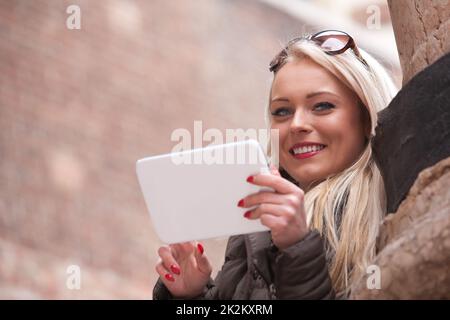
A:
[79,107]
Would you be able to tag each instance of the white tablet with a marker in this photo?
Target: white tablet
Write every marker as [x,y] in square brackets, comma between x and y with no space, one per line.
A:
[193,195]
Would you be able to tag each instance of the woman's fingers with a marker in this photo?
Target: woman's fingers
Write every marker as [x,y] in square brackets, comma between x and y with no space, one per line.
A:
[165,274]
[179,253]
[273,222]
[272,209]
[274,170]
[255,199]
[176,250]
[168,260]
[182,250]
[203,263]
[278,183]
[260,197]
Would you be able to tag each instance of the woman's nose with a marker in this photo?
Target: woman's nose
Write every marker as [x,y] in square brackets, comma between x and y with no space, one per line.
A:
[300,123]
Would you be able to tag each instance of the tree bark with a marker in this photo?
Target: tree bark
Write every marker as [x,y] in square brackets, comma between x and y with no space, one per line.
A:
[414,260]
[421,30]
[414,243]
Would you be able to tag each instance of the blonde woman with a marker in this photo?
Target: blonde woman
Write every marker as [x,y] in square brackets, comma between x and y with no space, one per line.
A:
[329,197]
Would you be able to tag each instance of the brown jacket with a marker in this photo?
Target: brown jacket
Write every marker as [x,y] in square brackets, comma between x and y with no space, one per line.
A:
[255,269]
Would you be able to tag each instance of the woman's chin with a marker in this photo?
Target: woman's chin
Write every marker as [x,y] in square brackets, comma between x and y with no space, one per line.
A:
[304,176]
[309,182]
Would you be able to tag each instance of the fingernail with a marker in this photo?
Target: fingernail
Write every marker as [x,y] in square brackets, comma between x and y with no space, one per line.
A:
[250,179]
[247,214]
[200,248]
[175,269]
[169,277]
[241,203]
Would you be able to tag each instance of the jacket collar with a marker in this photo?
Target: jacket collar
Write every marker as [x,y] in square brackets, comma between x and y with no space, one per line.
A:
[257,245]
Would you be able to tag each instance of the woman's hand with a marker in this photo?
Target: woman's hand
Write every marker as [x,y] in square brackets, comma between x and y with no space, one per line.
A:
[282,211]
[184,269]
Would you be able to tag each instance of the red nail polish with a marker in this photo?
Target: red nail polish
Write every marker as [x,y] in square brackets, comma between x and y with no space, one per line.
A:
[247,214]
[250,179]
[241,203]
[200,248]
[169,277]
[175,269]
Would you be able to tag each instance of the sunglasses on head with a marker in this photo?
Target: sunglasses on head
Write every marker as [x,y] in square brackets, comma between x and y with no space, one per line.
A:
[333,42]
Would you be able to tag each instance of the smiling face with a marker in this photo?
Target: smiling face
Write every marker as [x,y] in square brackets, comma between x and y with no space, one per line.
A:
[321,124]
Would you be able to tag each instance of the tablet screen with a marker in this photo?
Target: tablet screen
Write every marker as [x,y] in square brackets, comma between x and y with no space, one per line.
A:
[193,195]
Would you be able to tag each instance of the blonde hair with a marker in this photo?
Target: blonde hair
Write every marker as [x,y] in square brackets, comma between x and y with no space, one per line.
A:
[356,195]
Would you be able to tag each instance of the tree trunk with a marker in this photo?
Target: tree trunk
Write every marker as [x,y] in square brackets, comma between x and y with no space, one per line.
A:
[413,145]
[421,30]
[414,260]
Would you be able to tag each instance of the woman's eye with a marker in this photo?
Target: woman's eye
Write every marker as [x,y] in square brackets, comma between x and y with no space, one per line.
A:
[323,106]
[280,112]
